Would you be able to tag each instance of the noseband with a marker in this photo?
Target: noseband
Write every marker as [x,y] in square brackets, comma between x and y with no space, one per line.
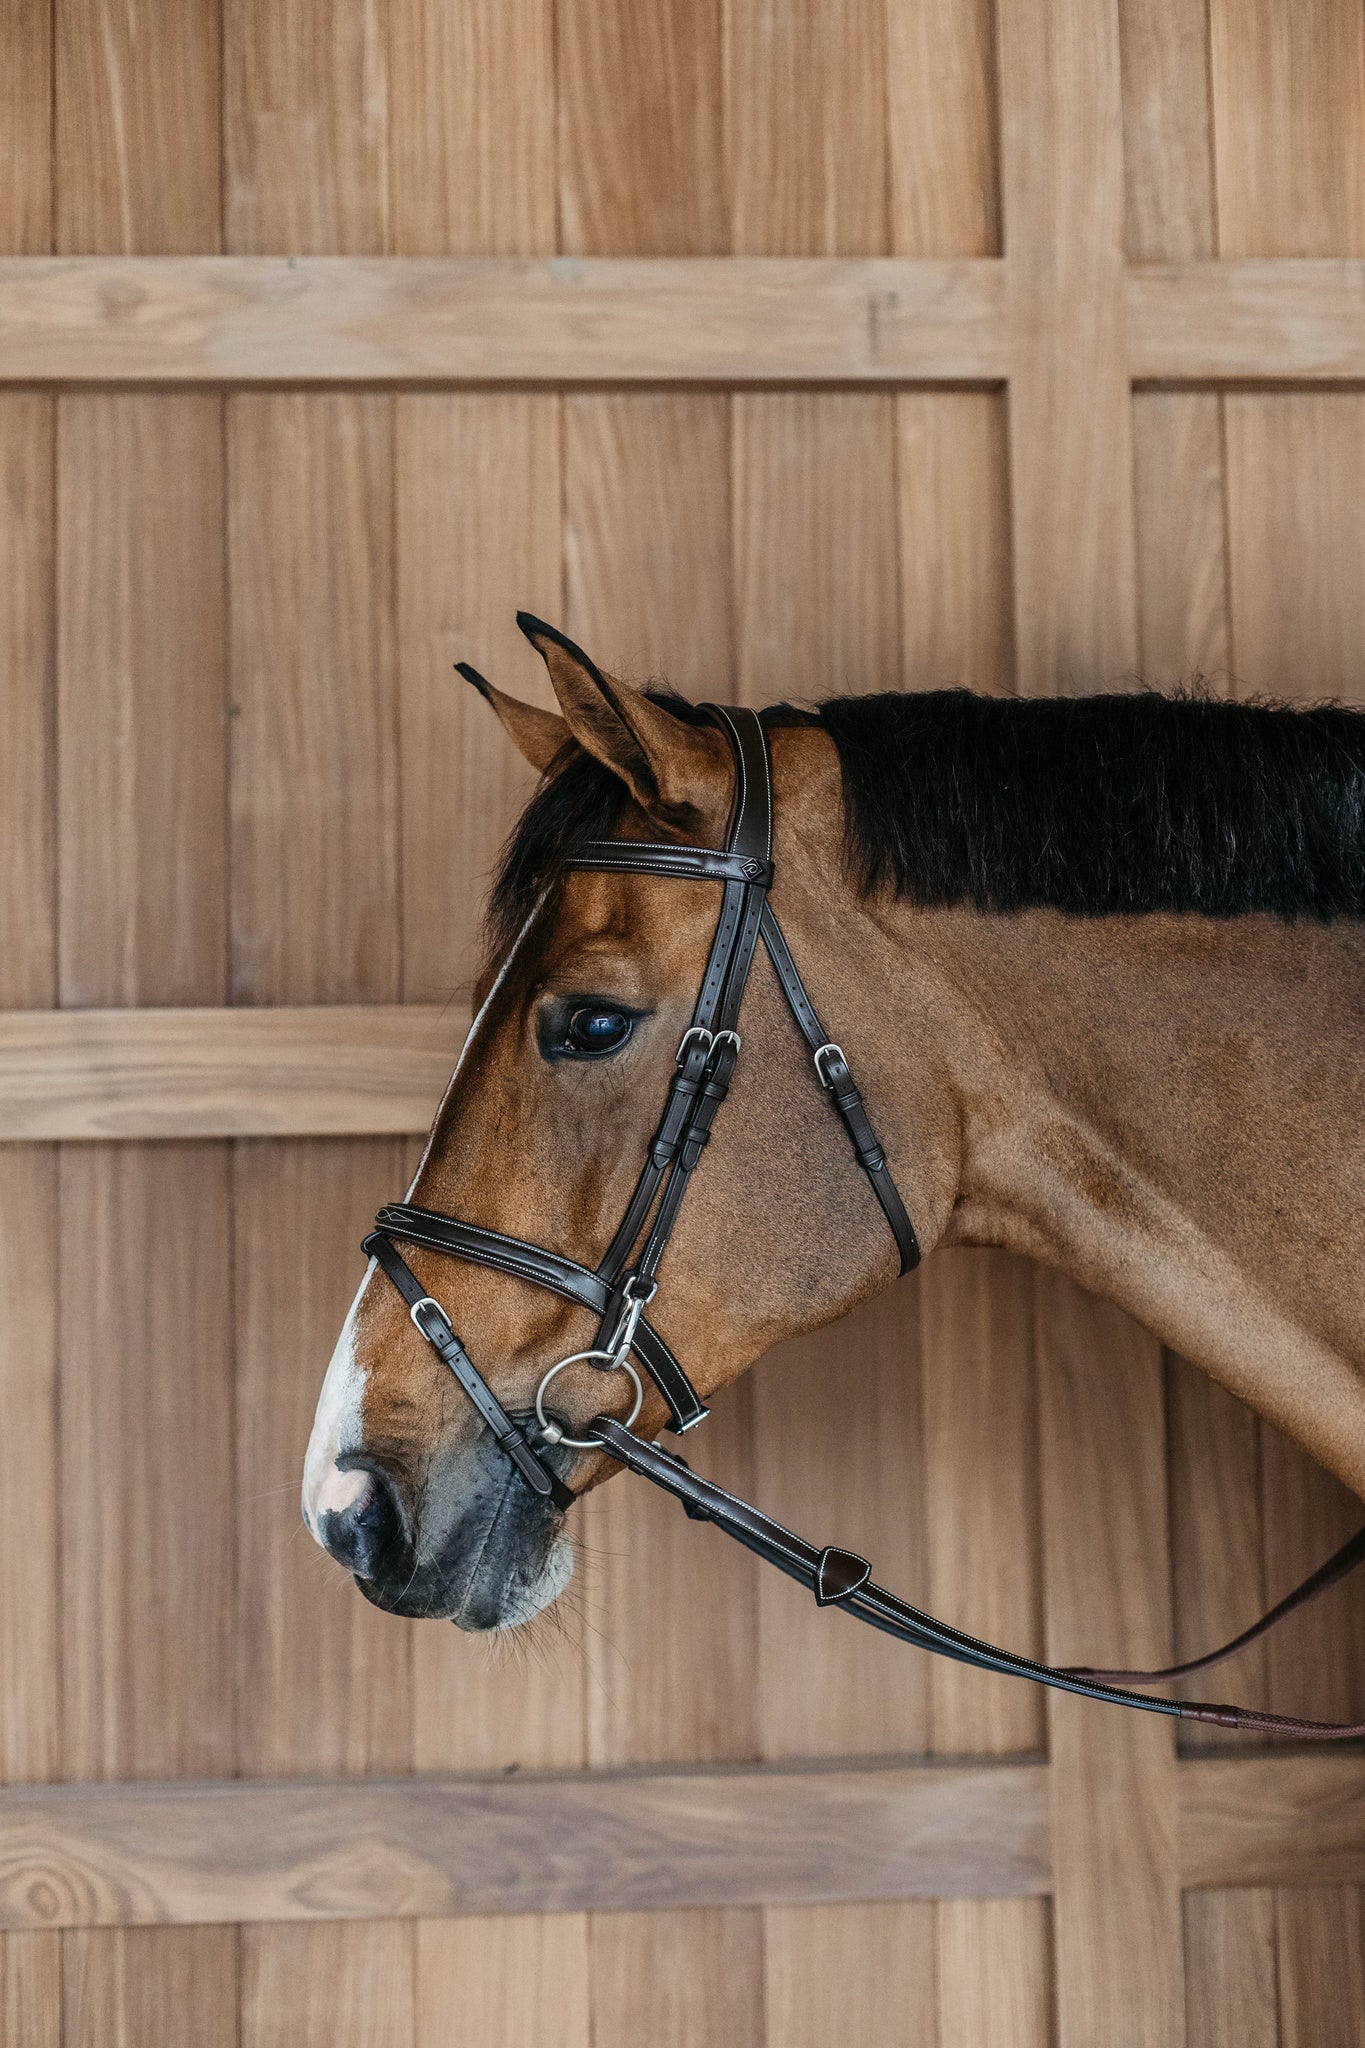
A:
[626,1281]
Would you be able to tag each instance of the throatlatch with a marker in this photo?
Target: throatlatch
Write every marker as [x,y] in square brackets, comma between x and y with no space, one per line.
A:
[624,1284]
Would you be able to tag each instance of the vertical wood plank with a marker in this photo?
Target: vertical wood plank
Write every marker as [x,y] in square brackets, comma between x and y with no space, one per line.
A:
[1315,1660]
[142,743]
[31,1990]
[1322,1967]
[1181,536]
[342,1983]
[314,797]
[841,1691]
[647,535]
[981,1495]
[641,131]
[1288,89]
[1115,1889]
[472,127]
[518,1982]
[861,1973]
[817,555]
[30,1715]
[478,536]
[994,1975]
[952,476]
[1071,467]
[149,1987]
[305,128]
[28,881]
[1167,141]
[676,1979]
[26,88]
[1231,1994]
[323,1678]
[806,118]
[942,127]
[136,127]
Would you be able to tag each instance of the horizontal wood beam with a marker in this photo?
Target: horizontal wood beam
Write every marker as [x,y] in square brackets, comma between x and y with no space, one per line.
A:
[404,320]
[128,1855]
[1283,321]
[353,1070]
[125,1855]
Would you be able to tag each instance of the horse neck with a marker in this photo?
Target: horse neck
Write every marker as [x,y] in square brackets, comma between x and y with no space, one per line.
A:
[1172,1109]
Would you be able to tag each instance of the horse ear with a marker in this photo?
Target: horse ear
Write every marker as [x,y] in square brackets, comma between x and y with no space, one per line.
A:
[537,735]
[669,767]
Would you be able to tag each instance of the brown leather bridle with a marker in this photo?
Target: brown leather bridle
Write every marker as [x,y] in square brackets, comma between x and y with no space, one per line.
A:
[625,1282]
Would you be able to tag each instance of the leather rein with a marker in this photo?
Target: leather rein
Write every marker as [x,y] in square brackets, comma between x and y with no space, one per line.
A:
[622,1287]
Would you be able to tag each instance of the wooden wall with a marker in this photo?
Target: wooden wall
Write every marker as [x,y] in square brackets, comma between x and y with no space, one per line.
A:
[1058,384]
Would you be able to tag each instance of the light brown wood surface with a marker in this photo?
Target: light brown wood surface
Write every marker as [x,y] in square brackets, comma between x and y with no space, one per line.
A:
[773,350]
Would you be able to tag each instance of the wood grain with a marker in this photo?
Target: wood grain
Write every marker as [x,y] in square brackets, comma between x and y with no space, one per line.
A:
[1183,627]
[519,1982]
[1167,140]
[136,1987]
[1290,1820]
[1322,1967]
[26,128]
[350,1987]
[28,877]
[648,1983]
[860,1973]
[478,537]
[400,320]
[136,126]
[597,1841]
[335,1069]
[952,475]
[305,127]
[31,1990]
[1258,321]
[472,128]
[30,1699]
[994,1973]
[1231,1994]
[942,127]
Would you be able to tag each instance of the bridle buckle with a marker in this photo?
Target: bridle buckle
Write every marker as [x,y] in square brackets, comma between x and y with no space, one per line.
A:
[831,1051]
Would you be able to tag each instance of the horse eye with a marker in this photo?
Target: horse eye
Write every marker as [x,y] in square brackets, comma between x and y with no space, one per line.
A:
[597,1028]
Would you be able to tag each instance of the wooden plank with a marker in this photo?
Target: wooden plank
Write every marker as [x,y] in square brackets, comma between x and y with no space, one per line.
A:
[1322,1968]
[28,879]
[350,1986]
[1258,321]
[952,473]
[519,1982]
[134,1987]
[677,1978]
[30,1700]
[136,127]
[994,1973]
[26,128]
[638,89]
[1181,537]
[399,320]
[827,1691]
[142,738]
[323,1677]
[860,1973]
[478,506]
[314,798]
[1277,1819]
[981,1493]
[1116,1887]
[471,128]
[942,128]
[324,1070]
[31,1990]
[647,538]
[1231,1993]
[1288,122]
[120,1855]
[806,118]
[1167,140]
[305,128]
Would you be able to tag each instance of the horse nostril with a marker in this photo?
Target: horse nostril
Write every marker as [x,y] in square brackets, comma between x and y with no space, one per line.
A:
[369,1529]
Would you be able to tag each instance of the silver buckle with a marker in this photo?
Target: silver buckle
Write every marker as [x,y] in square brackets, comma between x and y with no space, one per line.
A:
[829,1048]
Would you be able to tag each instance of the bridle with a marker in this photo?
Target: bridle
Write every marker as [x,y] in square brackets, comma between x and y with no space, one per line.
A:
[625,1282]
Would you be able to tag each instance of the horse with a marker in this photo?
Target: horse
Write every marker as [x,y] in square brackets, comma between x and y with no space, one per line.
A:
[1098,963]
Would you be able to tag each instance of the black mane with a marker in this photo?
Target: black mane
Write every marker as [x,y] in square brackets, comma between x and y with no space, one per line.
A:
[1097,806]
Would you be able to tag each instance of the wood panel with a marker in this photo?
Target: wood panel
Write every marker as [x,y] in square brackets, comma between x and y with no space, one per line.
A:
[1231,1993]
[942,128]
[1183,627]
[678,1978]
[136,126]
[315,1070]
[404,320]
[521,1982]
[860,1973]
[136,1987]
[26,128]
[28,875]
[1258,321]
[351,1987]
[478,537]
[31,1989]
[952,473]
[994,1973]
[1322,1968]
[1167,145]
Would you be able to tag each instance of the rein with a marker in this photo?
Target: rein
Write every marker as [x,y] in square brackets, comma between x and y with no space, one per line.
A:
[624,1284]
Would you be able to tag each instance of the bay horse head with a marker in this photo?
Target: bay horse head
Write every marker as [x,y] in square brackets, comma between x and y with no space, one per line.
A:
[583,1005]
[1098,963]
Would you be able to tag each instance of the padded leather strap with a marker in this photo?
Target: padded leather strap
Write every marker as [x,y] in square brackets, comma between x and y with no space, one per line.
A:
[681,863]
